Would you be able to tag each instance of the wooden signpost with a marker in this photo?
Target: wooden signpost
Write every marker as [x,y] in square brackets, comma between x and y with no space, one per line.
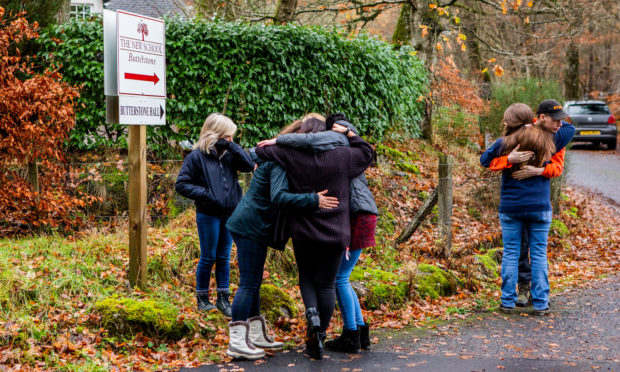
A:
[135,90]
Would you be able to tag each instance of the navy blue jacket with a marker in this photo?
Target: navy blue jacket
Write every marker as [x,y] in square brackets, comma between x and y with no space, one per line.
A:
[211,180]
[255,216]
[531,194]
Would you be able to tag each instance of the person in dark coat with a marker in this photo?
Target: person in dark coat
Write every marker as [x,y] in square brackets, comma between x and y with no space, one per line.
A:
[252,227]
[209,177]
[363,209]
[320,237]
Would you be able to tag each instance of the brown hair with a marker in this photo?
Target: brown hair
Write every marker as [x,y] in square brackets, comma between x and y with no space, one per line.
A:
[520,130]
[312,125]
[291,128]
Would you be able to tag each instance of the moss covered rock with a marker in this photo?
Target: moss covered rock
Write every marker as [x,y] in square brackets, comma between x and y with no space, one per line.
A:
[275,303]
[380,288]
[559,228]
[128,316]
[434,282]
[404,161]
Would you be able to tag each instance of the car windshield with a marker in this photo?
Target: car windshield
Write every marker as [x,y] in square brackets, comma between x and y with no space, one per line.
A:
[588,109]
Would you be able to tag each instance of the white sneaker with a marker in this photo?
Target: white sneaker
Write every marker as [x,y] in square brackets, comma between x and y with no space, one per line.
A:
[239,345]
[259,336]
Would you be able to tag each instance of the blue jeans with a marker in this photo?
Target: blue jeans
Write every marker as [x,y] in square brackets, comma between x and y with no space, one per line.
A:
[215,245]
[347,298]
[536,224]
[525,269]
[251,259]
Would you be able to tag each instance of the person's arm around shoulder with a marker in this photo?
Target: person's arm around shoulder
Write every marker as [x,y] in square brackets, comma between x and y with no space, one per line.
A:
[564,135]
[361,152]
[281,196]
[322,141]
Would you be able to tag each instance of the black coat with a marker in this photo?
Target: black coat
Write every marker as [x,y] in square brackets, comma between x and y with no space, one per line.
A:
[211,181]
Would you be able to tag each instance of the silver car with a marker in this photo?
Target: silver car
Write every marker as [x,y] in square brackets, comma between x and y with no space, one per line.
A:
[593,122]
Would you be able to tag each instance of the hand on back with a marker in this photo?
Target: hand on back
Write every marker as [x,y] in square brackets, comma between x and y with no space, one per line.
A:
[517,157]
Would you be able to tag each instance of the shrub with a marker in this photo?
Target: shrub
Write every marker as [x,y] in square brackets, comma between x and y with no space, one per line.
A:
[36,115]
[528,91]
[262,76]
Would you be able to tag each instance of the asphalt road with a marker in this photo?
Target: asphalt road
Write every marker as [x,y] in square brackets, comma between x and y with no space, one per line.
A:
[581,334]
[595,169]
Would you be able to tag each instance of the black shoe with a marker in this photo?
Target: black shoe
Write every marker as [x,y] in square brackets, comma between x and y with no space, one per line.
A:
[348,342]
[364,336]
[542,312]
[223,304]
[314,343]
[203,302]
[506,310]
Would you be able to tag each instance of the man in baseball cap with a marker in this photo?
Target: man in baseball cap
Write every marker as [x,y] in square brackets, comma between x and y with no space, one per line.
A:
[551,108]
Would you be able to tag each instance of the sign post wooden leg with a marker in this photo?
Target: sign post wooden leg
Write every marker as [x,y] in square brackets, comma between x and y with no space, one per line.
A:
[137,206]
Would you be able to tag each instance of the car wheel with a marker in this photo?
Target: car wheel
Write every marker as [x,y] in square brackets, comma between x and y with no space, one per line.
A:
[611,145]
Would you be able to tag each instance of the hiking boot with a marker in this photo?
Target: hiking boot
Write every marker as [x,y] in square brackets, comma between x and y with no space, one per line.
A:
[364,336]
[525,298]
[223,304]
[348,342]
[202,299]
[542,312]
[506,310]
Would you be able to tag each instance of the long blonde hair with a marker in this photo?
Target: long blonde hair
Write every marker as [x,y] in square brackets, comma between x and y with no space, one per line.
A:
[216,126]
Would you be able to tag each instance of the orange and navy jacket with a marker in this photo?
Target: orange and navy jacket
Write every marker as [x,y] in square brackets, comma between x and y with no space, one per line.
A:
[552,169]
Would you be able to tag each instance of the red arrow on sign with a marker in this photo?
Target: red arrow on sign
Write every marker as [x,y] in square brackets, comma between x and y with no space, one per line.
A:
[141,77]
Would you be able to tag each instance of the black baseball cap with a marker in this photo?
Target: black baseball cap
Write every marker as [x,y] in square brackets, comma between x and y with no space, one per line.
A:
[552,108]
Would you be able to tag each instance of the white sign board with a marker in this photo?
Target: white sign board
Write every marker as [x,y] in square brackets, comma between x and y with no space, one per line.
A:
[135,68]
[141,53]
[141,110]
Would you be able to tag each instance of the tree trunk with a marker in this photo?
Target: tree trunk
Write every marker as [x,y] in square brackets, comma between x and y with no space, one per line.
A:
[285,12]
[408,32]
[571,74]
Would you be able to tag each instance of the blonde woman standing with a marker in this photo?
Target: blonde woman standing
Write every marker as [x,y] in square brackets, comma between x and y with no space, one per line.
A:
[209,177]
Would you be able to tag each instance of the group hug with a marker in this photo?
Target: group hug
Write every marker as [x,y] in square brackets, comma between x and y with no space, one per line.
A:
[308,186]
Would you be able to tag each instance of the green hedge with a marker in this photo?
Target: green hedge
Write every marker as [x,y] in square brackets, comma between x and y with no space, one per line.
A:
[529,91]
[263,76]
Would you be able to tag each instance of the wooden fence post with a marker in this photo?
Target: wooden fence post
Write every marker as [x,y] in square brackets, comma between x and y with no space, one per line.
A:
[444,207]
[137,206]
[556,191]
[33,177]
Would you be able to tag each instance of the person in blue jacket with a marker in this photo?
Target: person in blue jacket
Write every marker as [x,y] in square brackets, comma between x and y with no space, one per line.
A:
[209,177]
[252,227]
[525,204]
[363,211]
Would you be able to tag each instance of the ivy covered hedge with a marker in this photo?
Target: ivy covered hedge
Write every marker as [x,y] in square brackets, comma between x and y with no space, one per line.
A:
[262,76]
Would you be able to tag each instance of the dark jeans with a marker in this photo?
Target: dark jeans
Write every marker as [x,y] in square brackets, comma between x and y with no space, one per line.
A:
[215,245]
[318,265]
[525,268]
[251,259]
